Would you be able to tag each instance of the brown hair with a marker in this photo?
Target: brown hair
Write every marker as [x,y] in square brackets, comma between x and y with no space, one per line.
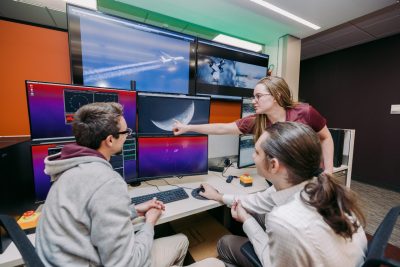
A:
[279,89]
[297,147]
[94,122]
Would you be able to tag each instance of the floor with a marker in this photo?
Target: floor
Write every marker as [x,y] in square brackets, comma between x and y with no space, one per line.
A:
[376,203]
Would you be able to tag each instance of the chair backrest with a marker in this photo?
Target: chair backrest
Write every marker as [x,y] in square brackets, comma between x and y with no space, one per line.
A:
[247,249]
[377,246]
[21,241]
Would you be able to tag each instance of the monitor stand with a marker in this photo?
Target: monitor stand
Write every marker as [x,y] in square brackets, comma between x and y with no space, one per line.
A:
[134,184]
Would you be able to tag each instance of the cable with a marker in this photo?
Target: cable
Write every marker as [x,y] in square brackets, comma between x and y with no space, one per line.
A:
[226,168]
[154,185]
[177,185]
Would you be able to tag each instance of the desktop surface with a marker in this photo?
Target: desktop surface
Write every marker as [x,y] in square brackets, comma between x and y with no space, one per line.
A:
[177,209]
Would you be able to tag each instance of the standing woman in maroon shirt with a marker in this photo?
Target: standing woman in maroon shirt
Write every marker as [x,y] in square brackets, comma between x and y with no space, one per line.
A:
[273,102]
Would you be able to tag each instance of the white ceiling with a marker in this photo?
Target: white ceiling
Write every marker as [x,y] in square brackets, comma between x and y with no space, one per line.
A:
[344,23]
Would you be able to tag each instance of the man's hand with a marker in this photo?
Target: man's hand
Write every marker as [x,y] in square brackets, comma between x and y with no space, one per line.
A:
[179,128]
[152,215]
[210,193]
[142,208]
[239,213]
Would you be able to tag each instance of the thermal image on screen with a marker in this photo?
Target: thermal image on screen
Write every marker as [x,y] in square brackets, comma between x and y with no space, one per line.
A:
[157,113]
[52,106]
[117,51]
[169,156]
[225,72]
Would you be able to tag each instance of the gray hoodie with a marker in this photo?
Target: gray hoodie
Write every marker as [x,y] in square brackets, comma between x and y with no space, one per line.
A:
[86,219]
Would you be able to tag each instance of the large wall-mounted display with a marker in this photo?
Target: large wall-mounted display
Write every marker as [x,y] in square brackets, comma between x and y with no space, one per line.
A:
[224,71]
[108,51]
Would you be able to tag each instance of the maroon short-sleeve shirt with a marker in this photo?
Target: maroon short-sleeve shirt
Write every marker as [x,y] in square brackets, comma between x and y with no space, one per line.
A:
[302,112]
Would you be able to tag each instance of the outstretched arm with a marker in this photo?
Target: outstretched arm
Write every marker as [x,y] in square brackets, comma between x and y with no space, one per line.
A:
[327,149]
[212,128]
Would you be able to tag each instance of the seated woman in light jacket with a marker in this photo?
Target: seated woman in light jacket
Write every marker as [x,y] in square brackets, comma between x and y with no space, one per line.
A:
[310,219]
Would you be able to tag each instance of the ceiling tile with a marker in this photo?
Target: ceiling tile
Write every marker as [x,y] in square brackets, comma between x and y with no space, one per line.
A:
[313,48]
[381,25]
[346,36]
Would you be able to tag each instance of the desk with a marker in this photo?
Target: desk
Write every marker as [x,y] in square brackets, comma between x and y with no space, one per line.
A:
[173,210]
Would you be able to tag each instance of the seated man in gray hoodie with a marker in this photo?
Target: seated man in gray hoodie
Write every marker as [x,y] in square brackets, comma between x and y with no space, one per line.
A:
[86,220]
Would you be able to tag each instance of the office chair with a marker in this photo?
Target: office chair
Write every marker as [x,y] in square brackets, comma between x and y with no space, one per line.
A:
[248,250]
[376,247]
[380,239]
[21,241]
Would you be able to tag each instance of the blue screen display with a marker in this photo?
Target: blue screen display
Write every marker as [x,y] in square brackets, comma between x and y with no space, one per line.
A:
[108,51]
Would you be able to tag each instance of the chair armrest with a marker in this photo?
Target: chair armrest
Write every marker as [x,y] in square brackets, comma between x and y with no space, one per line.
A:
[21,241]
[248,250]
[381,262]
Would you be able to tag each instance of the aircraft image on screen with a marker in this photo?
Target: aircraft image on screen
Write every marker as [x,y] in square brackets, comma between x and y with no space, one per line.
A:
[122,70]
[225,72]
[185,118]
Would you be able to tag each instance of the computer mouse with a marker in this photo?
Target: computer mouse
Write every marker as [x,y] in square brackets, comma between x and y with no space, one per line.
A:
[196,191]
[230,178]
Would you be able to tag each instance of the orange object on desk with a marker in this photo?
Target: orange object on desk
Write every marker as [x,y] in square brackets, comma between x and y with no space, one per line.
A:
[246,180]
[29,219]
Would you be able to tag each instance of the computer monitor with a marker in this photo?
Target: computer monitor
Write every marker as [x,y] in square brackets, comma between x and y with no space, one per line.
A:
[124,163]
[157,112]
[16,179]
[246,150]
[109,51]
[51,111]
[171,156]
[52,106]
[247,107]
[225,71]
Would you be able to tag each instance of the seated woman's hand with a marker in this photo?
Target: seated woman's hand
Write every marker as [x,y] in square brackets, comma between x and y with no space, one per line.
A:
[239,213]
[142,208]
[210,192]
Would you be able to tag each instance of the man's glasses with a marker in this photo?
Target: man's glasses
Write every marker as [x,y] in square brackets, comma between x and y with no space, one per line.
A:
[128,132]
[258,96]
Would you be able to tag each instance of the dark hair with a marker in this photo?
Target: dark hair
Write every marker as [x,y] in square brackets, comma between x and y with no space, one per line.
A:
[279,89]
[94,122]
[297,147]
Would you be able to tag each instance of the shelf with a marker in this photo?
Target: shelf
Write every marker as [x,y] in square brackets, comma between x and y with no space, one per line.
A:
[339,169]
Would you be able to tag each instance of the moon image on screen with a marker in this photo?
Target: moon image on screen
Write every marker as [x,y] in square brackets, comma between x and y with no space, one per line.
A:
[185,117]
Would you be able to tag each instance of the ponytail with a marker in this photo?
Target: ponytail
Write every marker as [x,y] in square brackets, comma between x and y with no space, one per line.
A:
[336,204]
[297,147]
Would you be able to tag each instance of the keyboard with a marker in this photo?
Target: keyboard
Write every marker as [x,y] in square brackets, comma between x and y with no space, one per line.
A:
[164,196]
